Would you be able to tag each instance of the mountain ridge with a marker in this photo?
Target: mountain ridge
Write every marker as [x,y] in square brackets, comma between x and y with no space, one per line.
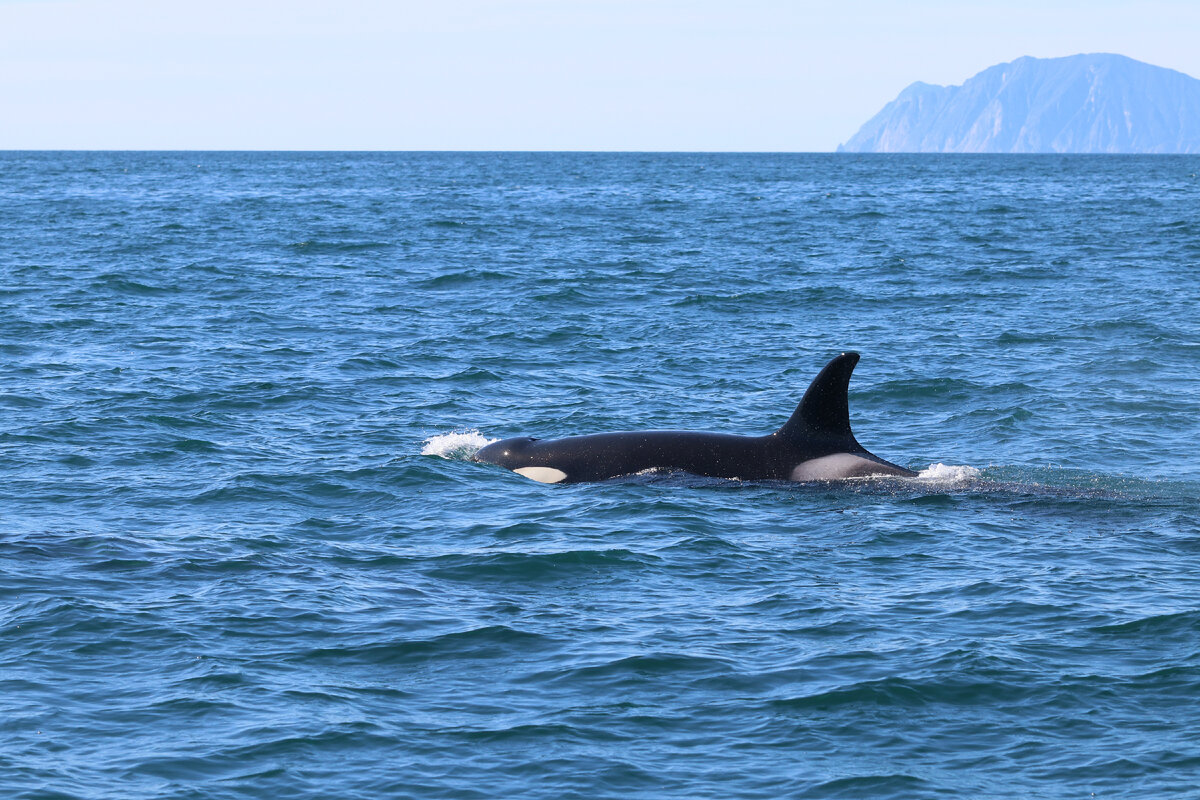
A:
[1086,103]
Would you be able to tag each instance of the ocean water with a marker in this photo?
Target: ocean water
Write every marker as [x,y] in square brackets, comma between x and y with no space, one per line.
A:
[244,553]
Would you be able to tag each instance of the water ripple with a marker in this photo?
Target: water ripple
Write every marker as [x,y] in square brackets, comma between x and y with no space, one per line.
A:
[245,552]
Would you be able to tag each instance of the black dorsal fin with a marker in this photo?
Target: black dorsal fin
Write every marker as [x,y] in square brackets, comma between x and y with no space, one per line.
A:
[824,410]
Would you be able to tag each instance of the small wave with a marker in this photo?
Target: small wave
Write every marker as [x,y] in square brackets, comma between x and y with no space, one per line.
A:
[452,280]
[488,641]
[528,568]
[337,246]
[1159,626]
[123,285]
[637,668]
[897,784]
[460,445]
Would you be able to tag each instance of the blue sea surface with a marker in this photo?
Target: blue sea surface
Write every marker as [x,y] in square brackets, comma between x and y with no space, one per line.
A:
[244,552]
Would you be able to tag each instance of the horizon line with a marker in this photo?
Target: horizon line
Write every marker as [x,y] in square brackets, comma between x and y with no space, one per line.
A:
[838,152]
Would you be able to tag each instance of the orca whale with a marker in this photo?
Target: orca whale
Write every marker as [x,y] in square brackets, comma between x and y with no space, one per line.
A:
[814,445]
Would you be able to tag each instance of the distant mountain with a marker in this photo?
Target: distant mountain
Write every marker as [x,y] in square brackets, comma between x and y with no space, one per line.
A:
[1095,103]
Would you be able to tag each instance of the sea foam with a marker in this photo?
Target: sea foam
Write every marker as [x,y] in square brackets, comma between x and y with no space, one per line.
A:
[948,473]
[457,445]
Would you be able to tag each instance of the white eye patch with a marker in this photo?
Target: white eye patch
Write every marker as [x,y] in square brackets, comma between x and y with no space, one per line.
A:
[542,474]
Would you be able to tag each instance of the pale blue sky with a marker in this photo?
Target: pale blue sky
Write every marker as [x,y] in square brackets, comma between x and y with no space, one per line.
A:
[519,74]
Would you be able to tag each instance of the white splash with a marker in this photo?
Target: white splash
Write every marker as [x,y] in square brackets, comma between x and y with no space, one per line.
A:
[458,445]
[947,473]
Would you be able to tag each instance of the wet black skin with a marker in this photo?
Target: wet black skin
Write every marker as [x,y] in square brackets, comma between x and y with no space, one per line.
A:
[819,427]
